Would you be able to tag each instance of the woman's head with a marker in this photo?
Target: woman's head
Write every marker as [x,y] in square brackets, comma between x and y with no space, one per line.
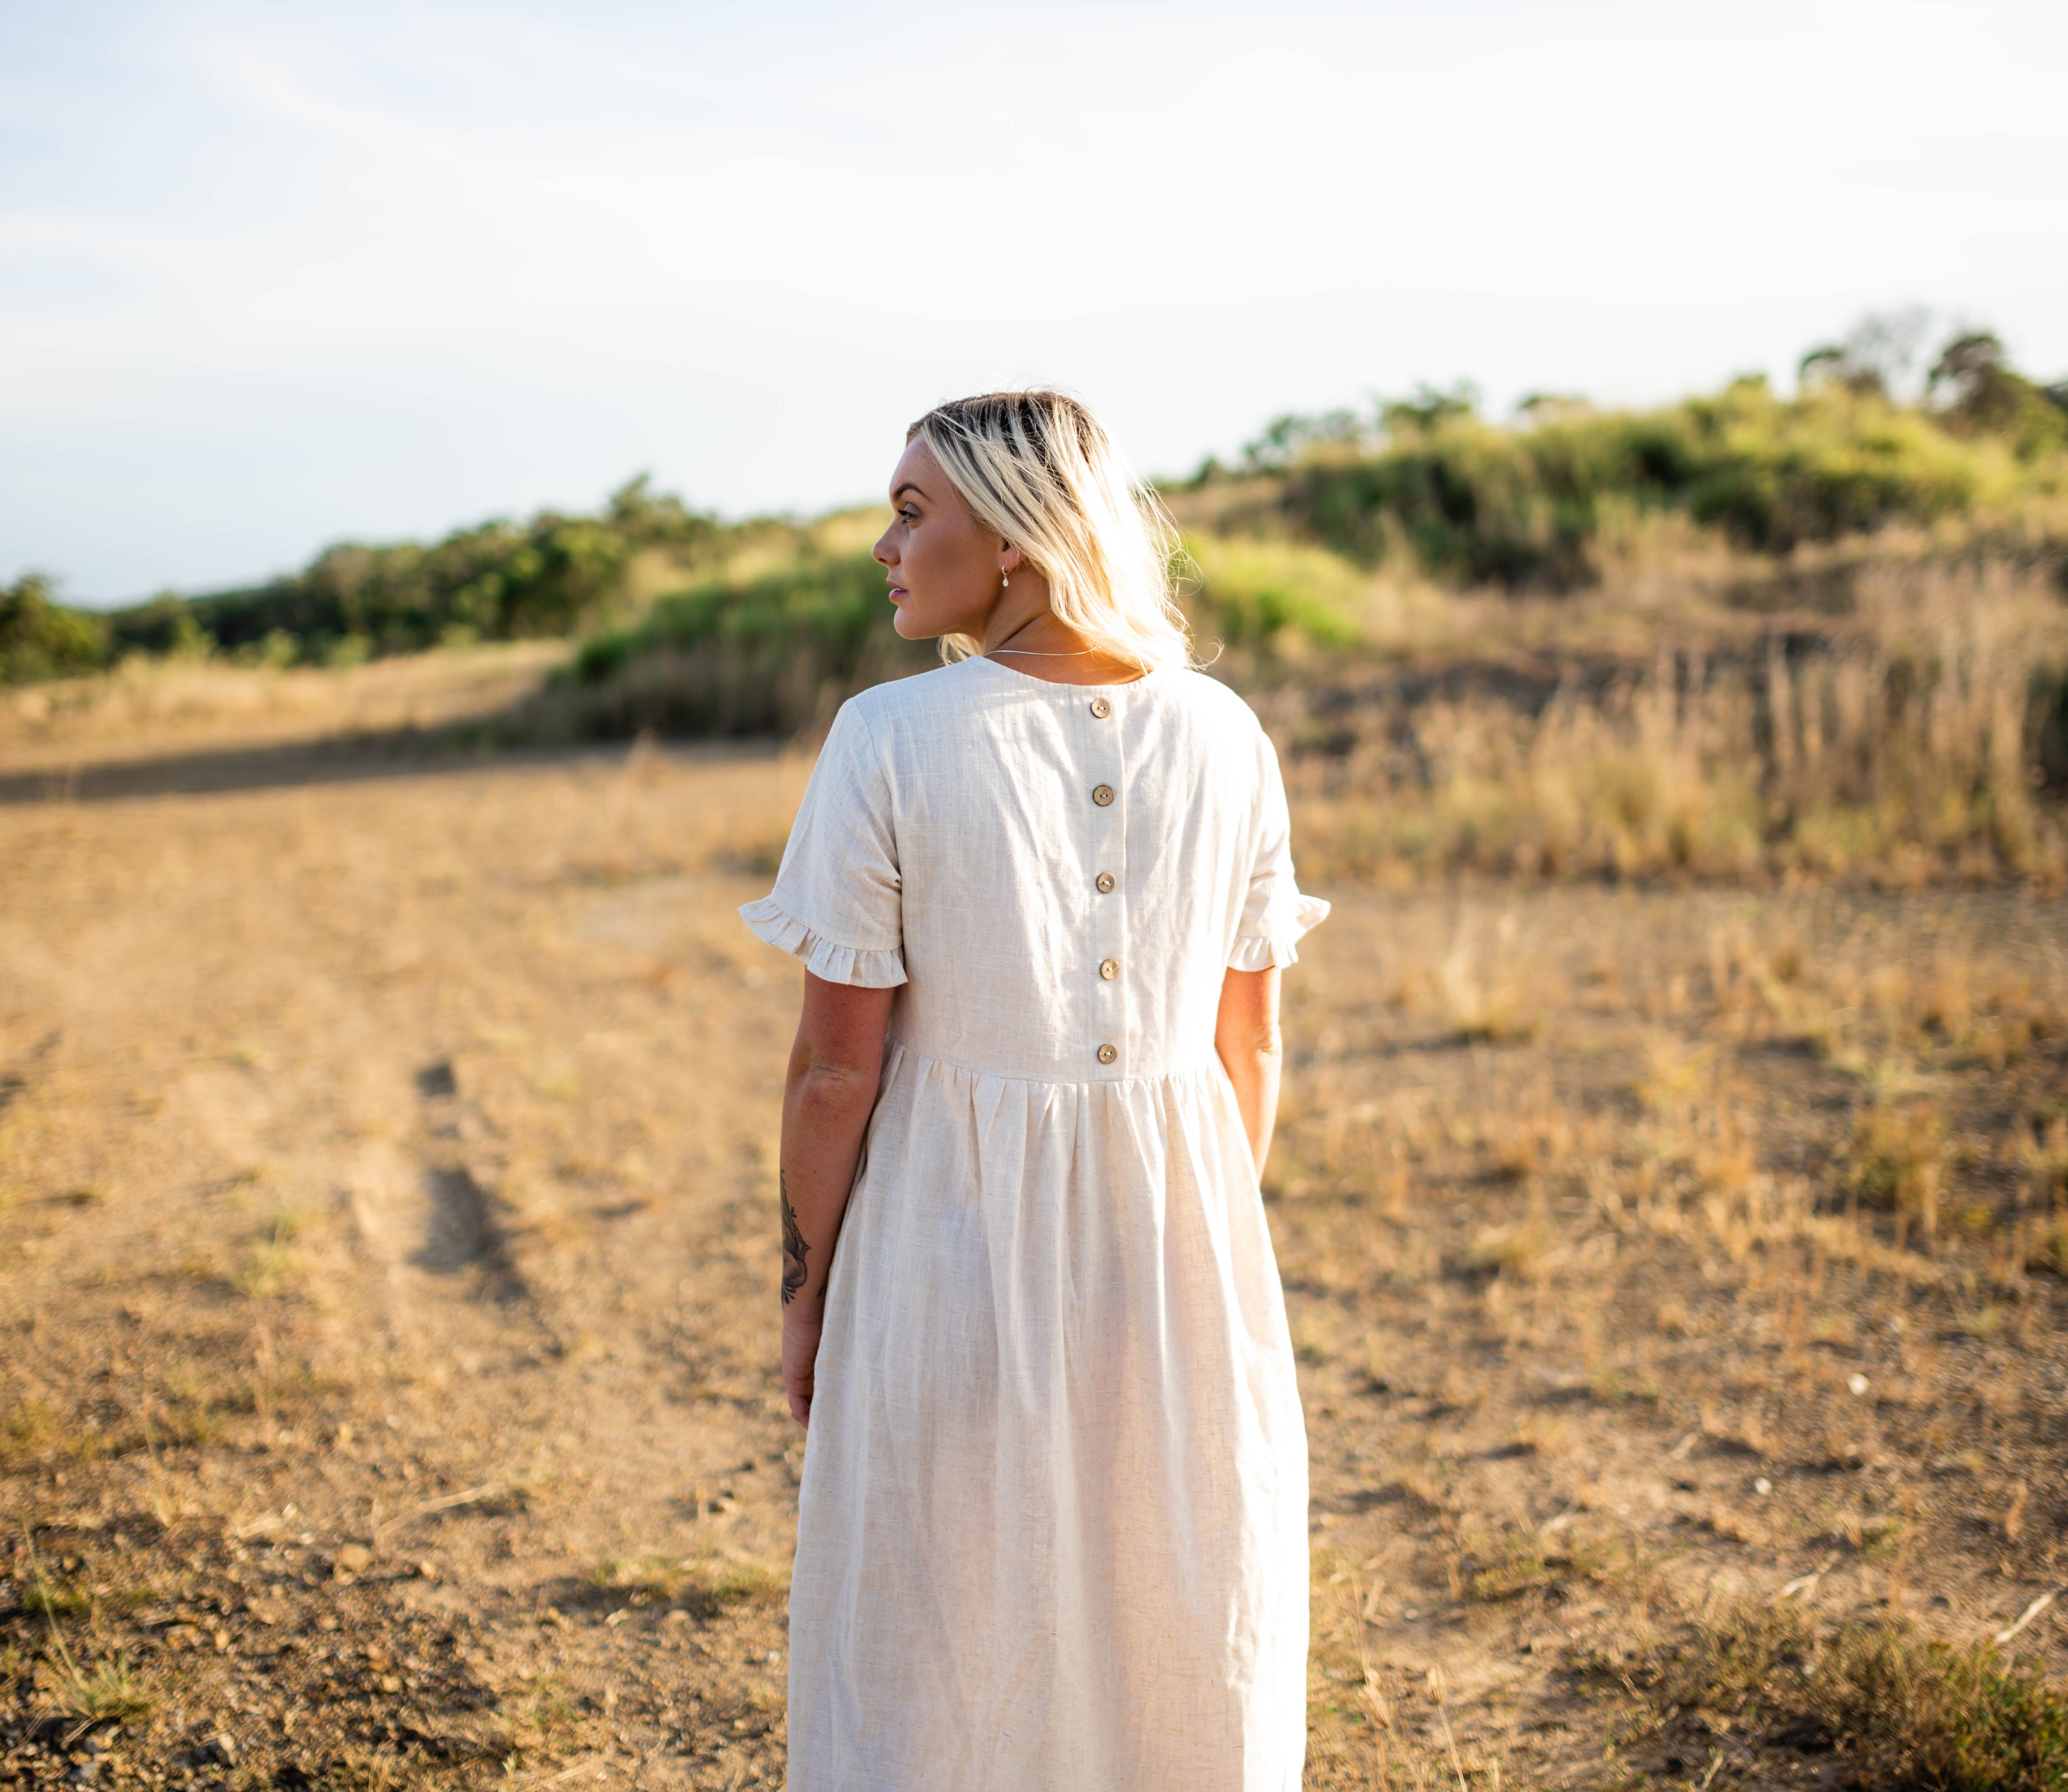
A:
[992,484]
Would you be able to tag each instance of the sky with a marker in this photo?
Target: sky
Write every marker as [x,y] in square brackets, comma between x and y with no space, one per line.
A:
[273,276]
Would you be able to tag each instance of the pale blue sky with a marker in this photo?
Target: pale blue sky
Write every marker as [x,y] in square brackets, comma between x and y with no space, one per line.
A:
[271,275]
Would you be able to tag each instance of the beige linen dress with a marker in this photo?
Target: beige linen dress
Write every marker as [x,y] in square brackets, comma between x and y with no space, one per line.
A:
[1052,1530]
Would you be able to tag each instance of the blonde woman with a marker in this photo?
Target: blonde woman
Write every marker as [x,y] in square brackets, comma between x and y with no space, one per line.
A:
[1052,1532]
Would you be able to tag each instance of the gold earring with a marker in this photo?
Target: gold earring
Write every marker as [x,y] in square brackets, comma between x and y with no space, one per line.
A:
[1005,580]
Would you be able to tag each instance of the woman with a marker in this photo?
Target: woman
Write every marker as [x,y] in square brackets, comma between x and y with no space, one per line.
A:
[1052,1531]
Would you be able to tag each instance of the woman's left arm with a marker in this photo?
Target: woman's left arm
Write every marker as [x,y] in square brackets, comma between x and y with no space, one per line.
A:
[828,1096]
[1246,1039]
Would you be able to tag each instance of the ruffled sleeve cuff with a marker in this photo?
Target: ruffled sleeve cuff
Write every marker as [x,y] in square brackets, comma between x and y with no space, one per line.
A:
[859,965]
[1268,939]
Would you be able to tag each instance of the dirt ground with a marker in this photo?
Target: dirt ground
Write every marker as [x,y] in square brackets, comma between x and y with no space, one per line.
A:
[387,1259]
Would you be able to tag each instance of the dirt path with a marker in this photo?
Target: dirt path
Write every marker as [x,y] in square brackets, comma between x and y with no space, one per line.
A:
[385,1261]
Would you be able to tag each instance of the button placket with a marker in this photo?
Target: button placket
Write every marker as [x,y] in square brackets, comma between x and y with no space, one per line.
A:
[1108,934]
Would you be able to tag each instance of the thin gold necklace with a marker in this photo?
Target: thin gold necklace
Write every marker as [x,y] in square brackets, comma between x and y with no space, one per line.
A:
[1035,652]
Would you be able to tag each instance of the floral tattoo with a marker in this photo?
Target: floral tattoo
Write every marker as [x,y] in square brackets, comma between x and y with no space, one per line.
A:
[794,1250]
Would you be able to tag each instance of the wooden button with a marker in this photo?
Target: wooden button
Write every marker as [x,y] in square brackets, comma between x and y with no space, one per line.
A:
[1105,883]
[1109,969]
[1107,1053]
[1102,796]
[1101,708]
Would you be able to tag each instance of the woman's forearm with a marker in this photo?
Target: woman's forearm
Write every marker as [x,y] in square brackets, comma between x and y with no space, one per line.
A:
[836,1066]
[829,1094]
[1254,1073]
[825,1116]
[1246,1040]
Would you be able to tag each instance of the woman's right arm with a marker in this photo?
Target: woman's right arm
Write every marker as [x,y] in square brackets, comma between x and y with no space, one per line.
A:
[828,1096]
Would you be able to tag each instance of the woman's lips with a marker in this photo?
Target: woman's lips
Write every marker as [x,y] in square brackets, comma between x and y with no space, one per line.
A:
[897,593]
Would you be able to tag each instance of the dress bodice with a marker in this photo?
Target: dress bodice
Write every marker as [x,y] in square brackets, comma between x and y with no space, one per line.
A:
[1054,876]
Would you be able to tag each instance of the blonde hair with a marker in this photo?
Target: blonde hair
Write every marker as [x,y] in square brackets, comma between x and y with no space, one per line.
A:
[1036,467]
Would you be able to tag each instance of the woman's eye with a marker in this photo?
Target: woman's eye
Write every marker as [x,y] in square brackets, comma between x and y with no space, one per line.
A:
[908,517]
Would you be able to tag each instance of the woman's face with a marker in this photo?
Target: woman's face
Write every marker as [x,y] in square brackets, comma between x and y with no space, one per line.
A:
[944,568]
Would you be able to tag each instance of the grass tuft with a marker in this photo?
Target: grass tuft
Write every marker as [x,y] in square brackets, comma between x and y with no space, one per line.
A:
[1523,1561]
[27,1429]
[704,1584]
[2047,1251]
[48,1597]
[1898,1161]
[1949,1719]
[111,1693]
[1909,1711]
[1519,1249]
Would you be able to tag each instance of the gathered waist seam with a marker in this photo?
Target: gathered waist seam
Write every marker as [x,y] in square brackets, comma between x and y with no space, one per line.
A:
[905,1048]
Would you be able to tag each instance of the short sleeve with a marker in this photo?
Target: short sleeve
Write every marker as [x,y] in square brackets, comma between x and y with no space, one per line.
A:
[1274,913]
[838,900]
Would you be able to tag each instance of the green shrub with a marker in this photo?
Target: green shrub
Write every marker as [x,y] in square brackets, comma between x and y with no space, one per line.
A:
[499,582]
[1249,592]
[777,653]
[1462,498]
[1521,507]
[40,639]
[767,655]
[552,576]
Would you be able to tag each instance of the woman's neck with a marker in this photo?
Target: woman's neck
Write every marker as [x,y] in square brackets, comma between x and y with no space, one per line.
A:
[1031,639]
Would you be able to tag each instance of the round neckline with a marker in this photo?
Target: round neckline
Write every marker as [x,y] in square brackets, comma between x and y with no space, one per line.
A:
[1058,684]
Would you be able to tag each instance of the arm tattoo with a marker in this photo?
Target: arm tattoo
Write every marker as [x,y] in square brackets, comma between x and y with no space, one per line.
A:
[794,1250]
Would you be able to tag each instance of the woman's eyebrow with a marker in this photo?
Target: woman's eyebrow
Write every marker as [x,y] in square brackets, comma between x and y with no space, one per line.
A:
[901,490]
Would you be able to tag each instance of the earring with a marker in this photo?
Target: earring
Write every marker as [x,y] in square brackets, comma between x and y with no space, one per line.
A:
[1005,580]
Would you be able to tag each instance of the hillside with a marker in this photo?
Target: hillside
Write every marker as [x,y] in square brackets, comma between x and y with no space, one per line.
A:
[1742,636]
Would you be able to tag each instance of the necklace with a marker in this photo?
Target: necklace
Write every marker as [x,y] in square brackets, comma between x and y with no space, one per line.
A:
[1036,652]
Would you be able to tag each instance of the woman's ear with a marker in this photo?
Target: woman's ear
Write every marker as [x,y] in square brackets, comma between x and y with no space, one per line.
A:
[1009,557]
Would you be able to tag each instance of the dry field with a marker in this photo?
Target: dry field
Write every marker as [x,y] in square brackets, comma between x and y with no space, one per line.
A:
[386,1255]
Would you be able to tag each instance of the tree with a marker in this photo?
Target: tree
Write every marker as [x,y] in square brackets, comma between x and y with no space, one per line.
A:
[1288,438]
[40,639]
[1975,390]
[1430,406]
[1878,355]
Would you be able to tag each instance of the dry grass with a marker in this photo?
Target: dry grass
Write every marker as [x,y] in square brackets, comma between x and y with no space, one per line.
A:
[1689,1274]
[1877,708]
[1908,1710]
[110,1693]
[1899,744]
[146,708]
[28,1429]
[705,1584]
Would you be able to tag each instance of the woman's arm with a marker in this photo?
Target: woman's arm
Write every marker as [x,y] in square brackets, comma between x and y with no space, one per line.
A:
[1246,1037]
[828,1097]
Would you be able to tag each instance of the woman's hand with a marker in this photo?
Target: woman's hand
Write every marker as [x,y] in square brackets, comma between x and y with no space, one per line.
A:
[800,1358]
